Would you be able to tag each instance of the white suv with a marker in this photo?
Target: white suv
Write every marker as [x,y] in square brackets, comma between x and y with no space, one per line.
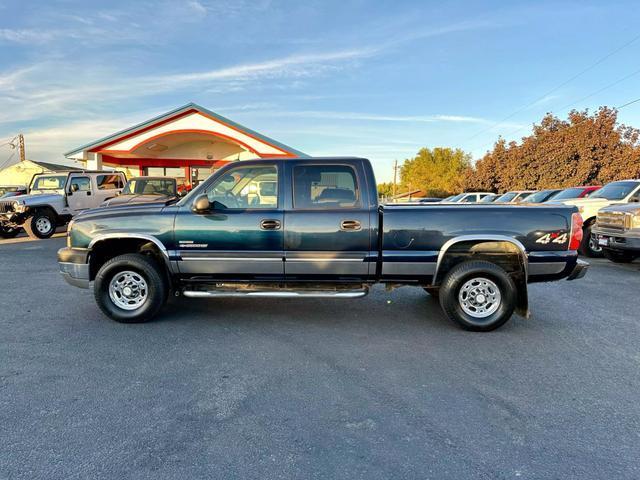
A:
[54,198]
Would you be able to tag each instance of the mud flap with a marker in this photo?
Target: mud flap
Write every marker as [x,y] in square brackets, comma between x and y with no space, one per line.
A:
[522,307]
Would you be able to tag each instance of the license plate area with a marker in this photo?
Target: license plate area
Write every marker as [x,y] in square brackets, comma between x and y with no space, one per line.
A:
[603,241]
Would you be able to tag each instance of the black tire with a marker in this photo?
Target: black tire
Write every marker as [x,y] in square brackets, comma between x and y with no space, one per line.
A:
[589,246]
[618,256]
[433,291]
[6,232]
[34,225]
[465,272]
[156,292]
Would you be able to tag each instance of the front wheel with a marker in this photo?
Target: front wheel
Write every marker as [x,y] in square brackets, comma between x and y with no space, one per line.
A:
[40,225]
[478,295]
[618,256]
[130,288]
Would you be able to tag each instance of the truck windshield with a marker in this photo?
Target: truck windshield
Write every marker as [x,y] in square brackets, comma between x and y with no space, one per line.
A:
[49,182]
[150,186]
[615,190]
[506,197]
[455,198]
[569,193]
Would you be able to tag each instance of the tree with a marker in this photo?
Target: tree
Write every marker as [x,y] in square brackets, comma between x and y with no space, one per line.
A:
[582,150]
[437,172]
[385,189]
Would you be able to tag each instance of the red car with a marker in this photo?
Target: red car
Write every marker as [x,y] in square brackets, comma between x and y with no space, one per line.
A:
[574,192]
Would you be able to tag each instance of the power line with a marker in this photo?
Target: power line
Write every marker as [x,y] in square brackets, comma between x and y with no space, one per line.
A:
[558,87]
[628,103]
[6,162]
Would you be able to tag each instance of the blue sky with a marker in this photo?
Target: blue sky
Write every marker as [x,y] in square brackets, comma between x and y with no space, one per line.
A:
[370,78]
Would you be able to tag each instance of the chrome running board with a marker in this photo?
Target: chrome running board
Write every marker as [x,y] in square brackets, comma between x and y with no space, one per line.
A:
[222,293]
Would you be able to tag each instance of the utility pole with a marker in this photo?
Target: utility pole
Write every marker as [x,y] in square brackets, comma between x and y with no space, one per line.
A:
[395,179]
[21,147]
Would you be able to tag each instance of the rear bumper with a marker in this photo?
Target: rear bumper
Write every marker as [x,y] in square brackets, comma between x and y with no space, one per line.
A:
[579,271]
[74,266]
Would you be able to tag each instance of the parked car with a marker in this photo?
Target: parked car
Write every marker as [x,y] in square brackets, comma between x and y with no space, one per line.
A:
[54,198]
[542,195]
[322,234]
[516,196]
[574,192]
[146,190]
[617,232]
[7,191]
[467,197]
[614,193]
[490,198]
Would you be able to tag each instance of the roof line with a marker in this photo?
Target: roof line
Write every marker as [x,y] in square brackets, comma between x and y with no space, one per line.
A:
[188,106]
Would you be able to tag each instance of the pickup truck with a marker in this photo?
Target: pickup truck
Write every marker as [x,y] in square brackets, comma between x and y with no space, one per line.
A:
[617,231]
[614,193]
[54,198]
[319,232]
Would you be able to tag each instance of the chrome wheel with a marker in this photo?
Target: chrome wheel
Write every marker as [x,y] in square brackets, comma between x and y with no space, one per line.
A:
[479,297]
[43,225]
[128,290]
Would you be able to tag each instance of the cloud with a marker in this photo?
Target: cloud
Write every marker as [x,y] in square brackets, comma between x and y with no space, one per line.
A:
[376,117]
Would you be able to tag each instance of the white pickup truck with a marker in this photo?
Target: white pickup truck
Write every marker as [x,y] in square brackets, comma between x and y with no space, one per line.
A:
[614,193]
[53,200]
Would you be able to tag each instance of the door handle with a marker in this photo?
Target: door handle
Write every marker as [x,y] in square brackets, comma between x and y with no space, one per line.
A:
[350,225]
[270,224]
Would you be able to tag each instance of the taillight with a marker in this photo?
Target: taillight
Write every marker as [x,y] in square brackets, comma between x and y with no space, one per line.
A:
[576,231]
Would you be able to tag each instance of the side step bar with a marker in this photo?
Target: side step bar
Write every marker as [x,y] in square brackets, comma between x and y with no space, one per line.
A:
[222,293]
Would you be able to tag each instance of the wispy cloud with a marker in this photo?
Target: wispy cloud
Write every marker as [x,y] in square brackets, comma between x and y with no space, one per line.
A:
[375,117]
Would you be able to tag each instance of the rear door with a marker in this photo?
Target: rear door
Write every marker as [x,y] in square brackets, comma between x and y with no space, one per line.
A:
[327,224]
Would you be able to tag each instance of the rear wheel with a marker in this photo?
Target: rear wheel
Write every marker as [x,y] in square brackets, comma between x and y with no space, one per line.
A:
[589,245]
[40,225]
[130,288]
[478,295]
[618,256]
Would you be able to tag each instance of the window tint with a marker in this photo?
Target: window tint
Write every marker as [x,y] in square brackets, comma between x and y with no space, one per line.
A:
[246,187]
[615,190]
[83,183]
[324,186]
[109,182]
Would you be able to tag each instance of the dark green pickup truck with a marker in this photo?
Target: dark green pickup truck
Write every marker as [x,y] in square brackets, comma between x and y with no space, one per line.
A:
[313,228]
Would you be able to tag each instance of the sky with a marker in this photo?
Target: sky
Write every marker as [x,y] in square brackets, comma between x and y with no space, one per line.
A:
[379,79]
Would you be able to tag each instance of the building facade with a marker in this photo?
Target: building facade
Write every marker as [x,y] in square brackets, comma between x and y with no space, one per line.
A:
[187,143]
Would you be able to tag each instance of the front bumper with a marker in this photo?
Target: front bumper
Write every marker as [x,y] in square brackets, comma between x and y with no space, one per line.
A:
[74,266]
[579,271]
[618,240]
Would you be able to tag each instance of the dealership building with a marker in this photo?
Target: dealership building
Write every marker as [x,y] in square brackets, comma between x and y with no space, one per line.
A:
[187,143]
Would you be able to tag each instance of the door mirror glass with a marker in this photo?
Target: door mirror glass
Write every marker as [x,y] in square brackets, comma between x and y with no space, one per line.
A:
[201,204]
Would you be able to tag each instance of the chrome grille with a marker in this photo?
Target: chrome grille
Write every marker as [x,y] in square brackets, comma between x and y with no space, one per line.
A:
[6,207]
[614,220]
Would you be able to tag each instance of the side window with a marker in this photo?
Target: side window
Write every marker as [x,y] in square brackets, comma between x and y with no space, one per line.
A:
[324,186]
[80,184]
[636,196]
[246,187]
[109,182]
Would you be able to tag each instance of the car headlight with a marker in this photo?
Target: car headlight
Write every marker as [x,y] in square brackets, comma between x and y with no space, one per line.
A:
[635,221]
[19,207]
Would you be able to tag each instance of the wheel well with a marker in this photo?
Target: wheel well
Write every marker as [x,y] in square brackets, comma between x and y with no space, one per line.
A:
[588,222]
[506,255]
[107,249]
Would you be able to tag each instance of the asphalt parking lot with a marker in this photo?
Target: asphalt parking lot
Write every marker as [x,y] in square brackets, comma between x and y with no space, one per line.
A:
[381,387]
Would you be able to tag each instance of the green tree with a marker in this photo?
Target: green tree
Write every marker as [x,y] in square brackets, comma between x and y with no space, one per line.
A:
[436,172]
[385,189]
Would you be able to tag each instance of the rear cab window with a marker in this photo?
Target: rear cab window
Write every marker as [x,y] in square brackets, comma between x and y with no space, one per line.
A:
[325,186]
[109,182]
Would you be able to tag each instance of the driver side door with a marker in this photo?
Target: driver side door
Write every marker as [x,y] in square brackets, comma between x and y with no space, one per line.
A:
[79,193]
[241,236]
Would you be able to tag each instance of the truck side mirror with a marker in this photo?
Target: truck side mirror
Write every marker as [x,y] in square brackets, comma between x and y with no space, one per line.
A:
[201,204]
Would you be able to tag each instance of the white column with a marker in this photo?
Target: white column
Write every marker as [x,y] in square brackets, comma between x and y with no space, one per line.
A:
[94,161]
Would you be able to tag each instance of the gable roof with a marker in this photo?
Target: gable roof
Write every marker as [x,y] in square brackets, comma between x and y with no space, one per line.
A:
[54,167]
[176,113]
